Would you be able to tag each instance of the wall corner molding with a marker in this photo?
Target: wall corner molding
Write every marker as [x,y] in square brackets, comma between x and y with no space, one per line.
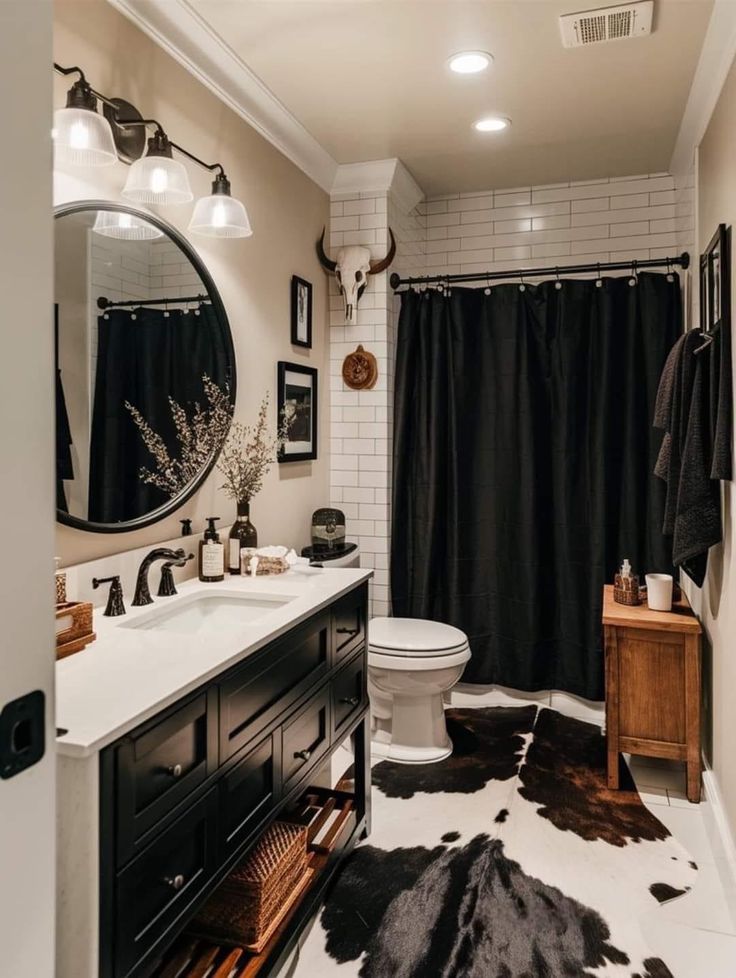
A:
[716,57]
[176,27]
[388,177]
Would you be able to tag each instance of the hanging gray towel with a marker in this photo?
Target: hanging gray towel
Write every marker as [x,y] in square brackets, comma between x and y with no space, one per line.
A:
[692,456]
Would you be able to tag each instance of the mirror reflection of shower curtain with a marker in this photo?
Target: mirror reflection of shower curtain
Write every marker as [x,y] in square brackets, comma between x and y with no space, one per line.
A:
[64,465]
[144,361]
[523,467]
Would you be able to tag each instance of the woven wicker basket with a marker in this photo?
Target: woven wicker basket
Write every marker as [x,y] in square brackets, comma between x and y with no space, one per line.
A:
[626,590]
[245,904]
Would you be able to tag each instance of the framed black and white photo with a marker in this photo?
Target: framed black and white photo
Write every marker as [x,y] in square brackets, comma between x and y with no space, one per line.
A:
[301,312]
[714,281]
[297,406]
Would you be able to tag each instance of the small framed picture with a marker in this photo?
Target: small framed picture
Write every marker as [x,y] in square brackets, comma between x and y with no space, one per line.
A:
[715,288]
[297,406]
[301,312]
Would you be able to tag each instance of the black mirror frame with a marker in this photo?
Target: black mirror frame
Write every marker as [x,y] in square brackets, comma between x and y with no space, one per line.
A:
[172,505]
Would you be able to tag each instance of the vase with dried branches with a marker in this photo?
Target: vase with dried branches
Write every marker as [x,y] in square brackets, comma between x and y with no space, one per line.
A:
[247,455]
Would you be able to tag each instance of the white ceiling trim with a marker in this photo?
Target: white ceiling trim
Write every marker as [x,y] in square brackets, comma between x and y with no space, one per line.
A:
[716,58]
[182,33]
[379,177]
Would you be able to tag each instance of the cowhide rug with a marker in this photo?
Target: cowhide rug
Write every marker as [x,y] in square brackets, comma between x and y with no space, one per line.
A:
[511,859]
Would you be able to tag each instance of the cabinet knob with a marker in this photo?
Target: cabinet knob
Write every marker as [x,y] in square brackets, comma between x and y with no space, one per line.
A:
[175,882]
[175,770]
[303,755]
[350,700]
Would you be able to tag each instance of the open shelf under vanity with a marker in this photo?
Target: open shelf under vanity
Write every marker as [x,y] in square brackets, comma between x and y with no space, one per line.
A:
[195,956]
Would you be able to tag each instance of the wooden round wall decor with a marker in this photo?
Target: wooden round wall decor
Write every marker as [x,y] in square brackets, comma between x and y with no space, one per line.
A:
[360,370]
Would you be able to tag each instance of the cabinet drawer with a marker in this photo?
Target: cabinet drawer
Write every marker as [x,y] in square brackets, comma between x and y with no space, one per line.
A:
[349,693]
[305,738]
[157,887]
[248,792]
[159,764]
[257,692]
[349,623]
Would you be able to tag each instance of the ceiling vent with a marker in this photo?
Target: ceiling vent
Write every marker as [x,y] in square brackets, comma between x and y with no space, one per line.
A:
[607,24]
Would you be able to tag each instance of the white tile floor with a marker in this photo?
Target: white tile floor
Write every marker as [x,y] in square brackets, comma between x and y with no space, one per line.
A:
[698,929]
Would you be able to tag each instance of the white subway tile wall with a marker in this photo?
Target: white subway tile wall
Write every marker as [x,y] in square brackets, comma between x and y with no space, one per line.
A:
[615,219]
[361,422]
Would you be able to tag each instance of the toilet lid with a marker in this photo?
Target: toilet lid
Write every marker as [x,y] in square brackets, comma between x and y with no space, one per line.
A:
[414,636]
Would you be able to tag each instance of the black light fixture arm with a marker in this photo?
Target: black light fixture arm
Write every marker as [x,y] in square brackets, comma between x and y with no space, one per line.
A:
[221,183]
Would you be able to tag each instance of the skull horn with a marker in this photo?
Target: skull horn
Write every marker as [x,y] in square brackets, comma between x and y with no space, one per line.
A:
[326,262]
[383,263]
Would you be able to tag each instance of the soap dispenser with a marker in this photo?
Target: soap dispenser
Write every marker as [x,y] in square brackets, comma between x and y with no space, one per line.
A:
[211,554]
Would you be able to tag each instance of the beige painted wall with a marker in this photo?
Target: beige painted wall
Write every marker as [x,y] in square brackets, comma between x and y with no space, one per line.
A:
[287,211]
[717,602]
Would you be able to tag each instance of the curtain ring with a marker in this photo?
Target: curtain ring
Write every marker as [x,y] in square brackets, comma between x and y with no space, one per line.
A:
[448,287]
[599,280]
[670,276]
[522,286]
[633,280]
[198,309]
[487,289]
[558,283]
[134,314]
[166,311]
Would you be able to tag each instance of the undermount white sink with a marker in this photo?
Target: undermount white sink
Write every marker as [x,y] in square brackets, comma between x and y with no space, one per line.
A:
[206,612]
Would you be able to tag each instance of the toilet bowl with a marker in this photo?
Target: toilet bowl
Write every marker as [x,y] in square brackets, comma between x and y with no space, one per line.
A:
[411,664]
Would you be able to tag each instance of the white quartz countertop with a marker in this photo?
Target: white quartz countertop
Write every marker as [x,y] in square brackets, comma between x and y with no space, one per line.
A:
[128,674]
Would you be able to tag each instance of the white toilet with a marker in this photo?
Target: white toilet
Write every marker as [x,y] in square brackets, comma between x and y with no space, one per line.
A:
[411,663]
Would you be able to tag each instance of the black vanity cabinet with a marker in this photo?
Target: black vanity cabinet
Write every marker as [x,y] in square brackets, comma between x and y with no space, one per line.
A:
[184,796]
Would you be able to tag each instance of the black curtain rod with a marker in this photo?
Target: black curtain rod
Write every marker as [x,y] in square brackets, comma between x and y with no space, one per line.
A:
[634,266]
[105,303]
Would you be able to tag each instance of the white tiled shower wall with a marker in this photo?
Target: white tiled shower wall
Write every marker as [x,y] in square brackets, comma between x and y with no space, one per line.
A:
[616,219]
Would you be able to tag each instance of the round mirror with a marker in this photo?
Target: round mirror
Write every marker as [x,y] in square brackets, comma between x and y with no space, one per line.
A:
[145,368]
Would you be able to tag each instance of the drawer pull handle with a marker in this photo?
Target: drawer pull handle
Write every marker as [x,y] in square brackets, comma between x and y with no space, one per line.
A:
[175,882]
[303,755]
[175,770]
[348,631]
[350,700]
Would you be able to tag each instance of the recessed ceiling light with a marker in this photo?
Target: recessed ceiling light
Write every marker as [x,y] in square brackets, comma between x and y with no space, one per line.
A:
[469,62]
[493,123]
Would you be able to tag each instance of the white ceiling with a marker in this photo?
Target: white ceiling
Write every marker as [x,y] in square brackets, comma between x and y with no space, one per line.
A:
[369,81]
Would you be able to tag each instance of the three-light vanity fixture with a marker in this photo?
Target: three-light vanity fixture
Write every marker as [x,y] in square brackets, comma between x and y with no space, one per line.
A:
[83,137]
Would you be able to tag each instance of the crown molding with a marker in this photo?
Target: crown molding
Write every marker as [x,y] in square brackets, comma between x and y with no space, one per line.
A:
[176,27]
[389,177]
[716,57]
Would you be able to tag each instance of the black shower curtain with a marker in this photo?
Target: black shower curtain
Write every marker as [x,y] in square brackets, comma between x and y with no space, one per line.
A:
[143,361]
[523,461]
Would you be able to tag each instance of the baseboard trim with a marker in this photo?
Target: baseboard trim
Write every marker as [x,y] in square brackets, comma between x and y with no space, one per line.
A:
[717,825]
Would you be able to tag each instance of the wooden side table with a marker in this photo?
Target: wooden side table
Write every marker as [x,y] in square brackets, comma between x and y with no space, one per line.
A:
[653,685]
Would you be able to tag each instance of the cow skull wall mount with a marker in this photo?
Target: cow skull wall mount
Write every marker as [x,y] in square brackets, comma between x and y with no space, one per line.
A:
[352,267]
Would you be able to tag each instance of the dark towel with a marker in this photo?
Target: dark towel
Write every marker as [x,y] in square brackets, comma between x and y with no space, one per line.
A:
[696,449]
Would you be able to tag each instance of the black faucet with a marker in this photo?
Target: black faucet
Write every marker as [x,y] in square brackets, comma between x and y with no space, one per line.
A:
[142,594]
[115,604]
[166,586]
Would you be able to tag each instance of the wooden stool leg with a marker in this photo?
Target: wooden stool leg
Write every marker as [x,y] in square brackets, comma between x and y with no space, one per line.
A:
[612,698]
[692,715]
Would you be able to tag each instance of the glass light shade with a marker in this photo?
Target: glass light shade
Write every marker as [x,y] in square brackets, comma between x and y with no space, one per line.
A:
[83,137]
[220,216]
[158,180]
[116,224]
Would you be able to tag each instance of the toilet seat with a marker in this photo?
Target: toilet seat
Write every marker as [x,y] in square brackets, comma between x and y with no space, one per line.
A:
[410,638]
